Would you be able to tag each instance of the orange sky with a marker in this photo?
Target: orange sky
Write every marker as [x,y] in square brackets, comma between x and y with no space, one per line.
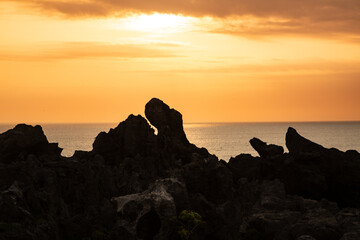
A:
[214,61]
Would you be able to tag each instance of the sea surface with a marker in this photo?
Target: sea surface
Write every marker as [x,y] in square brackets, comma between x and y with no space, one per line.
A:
[225,140]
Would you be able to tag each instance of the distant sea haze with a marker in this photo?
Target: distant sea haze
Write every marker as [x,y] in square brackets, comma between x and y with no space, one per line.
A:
[225,140]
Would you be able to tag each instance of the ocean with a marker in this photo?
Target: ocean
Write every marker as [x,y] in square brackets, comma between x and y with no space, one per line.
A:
[225,140]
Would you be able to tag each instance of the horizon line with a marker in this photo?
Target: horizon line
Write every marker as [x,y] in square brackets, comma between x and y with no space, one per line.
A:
[191,122]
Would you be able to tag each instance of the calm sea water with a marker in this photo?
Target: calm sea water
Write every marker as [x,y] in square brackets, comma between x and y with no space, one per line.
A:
[222,139]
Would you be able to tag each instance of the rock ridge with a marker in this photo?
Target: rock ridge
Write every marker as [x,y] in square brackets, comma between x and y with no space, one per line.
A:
[133,182]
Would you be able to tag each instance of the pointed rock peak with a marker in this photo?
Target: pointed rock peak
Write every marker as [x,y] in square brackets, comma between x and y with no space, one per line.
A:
[292,131]
[297,143]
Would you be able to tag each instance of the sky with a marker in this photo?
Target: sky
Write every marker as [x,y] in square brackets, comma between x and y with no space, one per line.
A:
[89,61]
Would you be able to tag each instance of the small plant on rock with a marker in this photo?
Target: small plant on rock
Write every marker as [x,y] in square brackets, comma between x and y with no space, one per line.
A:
[186,223]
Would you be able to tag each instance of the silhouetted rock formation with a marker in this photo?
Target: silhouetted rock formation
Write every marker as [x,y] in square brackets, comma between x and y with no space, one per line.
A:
[298,144]
[130,138]
[133,182]
[168,123]
[23,140]
[265,150]
[310,170]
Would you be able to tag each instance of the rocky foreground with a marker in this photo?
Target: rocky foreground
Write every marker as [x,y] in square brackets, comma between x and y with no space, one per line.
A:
[134,183]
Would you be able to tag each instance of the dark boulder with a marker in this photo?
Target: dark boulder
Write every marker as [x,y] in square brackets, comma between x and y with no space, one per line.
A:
[266,150]
[245,166]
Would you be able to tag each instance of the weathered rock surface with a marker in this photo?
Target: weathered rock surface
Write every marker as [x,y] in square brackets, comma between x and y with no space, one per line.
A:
[146,215]
[133,182]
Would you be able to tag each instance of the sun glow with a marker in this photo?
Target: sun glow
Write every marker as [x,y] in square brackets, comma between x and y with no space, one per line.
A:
[160,23]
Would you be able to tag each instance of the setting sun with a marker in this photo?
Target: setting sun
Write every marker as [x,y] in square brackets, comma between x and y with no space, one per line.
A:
[66,61]
[156,23]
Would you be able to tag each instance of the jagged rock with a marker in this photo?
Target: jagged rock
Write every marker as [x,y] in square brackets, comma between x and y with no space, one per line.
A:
[298,144]
[309,170]
[318,172]
[153,177]
[168,122]
[132,137]
[266,150]
[25,139]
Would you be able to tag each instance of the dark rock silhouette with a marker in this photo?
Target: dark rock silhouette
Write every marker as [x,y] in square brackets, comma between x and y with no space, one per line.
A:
[265,150]
[23,140]
[298,144]
[132,137]
[167,121]
[169,124]
[246,166]
[133,182]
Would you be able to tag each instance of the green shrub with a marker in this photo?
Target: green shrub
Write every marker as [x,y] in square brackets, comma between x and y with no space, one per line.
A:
[186,223]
